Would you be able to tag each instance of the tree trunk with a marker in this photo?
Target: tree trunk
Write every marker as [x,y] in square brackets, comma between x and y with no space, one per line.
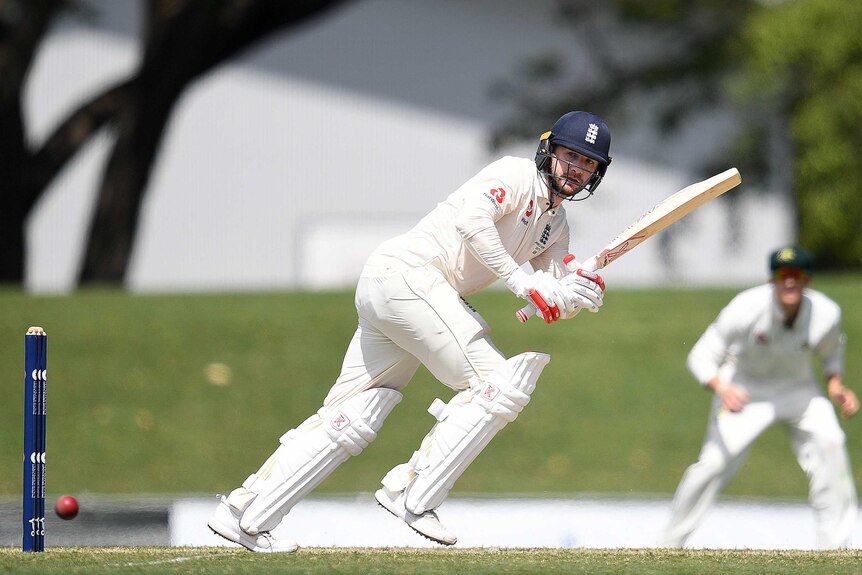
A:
[15,202]
[192,38]
[114,225]
[11,246]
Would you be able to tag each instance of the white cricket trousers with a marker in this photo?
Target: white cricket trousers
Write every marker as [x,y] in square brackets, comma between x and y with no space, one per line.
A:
[408,318]
[404,319]
[816,438]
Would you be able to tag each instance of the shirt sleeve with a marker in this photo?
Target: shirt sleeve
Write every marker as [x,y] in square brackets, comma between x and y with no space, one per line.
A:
[830,349]
[711,349]
[476,224]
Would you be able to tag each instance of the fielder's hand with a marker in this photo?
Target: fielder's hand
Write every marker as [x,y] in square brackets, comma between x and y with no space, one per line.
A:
[733,397]
[845,400]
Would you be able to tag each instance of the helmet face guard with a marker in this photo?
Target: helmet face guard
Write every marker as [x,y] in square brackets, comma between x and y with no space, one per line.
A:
[584,133]
[545,161]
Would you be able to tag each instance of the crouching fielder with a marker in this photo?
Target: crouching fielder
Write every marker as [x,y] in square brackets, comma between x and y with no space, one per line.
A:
[756,359]
[411,310]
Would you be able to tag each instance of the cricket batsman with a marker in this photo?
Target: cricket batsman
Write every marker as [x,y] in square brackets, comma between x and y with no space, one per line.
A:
[409,299]
[756,359]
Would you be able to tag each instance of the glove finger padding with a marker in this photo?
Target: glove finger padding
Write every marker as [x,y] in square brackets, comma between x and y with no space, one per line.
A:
[550,312]
[585,288]
[561,296]
[549,297]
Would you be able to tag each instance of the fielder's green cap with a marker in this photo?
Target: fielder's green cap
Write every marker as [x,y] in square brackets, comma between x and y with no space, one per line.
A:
[790,257]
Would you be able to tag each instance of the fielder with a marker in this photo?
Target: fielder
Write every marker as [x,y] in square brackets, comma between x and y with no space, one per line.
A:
[755,357]
[409,299]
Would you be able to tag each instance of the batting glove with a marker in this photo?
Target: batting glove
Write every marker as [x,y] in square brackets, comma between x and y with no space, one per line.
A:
[543,290]
[585,288]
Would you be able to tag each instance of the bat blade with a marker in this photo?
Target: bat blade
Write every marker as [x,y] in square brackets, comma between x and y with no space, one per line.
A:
[667,212]
[658,218]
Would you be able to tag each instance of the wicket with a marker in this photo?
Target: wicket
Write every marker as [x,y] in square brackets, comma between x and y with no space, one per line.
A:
[35,386]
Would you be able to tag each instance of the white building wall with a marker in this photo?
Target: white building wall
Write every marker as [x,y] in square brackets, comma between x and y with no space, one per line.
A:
[574,521]
[284,168]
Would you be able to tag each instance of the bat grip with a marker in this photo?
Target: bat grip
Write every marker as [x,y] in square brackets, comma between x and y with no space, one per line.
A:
[529,310]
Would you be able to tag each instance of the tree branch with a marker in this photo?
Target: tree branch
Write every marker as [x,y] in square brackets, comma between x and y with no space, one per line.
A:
[68,138]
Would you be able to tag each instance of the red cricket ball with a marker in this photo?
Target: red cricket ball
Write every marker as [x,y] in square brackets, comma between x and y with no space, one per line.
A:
[66,507]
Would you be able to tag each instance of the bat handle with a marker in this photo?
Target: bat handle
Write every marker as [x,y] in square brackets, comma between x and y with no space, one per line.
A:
[529,310]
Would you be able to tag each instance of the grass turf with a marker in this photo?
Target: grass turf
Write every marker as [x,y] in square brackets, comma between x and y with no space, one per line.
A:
[189,393]
[327,561]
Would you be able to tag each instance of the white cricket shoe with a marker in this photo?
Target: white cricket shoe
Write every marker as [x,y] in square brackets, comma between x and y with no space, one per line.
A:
[225,522]
[427,524]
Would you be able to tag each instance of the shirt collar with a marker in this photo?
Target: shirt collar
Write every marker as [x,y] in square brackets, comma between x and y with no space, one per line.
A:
[543,195]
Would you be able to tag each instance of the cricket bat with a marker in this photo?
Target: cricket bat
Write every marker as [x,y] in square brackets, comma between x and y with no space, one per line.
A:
[658,218]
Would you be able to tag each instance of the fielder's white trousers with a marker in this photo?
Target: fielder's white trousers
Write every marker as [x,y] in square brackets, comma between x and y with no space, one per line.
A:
[816,438]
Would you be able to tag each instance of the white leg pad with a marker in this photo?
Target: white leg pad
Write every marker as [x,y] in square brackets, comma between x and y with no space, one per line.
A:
[308,454]
[464,428]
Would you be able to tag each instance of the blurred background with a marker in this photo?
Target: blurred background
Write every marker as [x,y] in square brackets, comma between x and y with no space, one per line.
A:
[190,188]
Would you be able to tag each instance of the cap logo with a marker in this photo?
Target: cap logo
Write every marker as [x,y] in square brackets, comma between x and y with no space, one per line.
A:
[786,255]
[592,134]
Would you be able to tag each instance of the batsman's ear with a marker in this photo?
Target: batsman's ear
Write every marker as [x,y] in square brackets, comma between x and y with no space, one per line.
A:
[543,152]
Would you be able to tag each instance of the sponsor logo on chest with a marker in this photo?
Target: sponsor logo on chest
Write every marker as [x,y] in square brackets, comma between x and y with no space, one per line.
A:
[528,213]
[497,196]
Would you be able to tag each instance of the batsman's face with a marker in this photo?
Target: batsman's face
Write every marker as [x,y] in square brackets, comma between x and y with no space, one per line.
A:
[789,283]
[571,170]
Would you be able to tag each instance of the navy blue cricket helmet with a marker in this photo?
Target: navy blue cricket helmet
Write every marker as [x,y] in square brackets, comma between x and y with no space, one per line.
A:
[584,133]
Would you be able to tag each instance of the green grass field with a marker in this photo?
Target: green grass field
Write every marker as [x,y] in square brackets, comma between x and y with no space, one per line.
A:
[432,562]
[136,406]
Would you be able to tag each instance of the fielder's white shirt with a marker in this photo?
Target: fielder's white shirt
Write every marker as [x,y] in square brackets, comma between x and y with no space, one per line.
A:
[483,231]
[749,344]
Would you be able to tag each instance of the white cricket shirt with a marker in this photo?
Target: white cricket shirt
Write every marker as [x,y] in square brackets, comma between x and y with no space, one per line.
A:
[485,230]
[748,343]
